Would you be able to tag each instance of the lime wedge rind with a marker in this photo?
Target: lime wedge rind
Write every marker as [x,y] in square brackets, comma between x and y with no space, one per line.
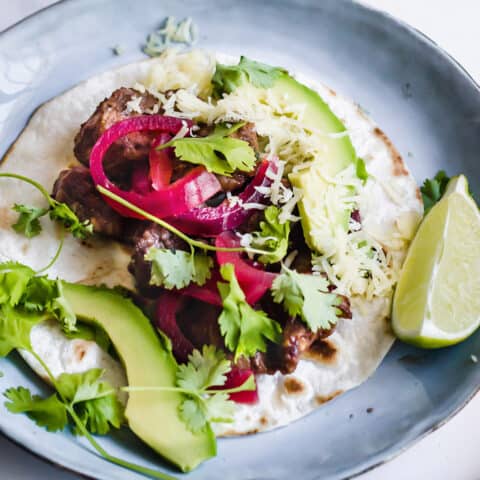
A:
[430,309]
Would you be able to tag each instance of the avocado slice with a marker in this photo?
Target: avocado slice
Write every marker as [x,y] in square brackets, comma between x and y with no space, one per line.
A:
[338,153]
[153,416]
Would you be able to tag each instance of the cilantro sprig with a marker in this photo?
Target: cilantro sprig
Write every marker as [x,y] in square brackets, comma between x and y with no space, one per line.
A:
[26,297]
[245,330]
[93,401]
[200,380]
[217,152]
[228,77]
[433,189]
[84,399]
[273,236]
[307,296]
[28,222]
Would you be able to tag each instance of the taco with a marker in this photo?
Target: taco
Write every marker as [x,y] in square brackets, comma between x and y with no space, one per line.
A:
[282,167]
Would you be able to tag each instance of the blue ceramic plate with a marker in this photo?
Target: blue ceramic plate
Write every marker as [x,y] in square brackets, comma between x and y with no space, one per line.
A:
[420,97]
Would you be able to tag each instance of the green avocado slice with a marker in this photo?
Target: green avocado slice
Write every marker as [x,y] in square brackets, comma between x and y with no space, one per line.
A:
[338,152]
[152,416]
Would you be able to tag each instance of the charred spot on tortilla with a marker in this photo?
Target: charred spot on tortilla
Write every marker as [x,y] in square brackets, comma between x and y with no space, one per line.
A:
[79,350]
[323,351]
[398,164]
[321,399]
[293,386]
[418,194]
[234,433]
[7,217]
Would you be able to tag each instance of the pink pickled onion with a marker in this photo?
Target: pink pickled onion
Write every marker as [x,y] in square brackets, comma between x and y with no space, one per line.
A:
[140,182]
[211,221]
[207,293]
[188,192]
[168,306]
[161,164]
[254,282]
[235,378]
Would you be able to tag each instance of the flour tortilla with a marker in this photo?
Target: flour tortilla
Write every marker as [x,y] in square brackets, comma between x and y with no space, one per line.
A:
[390,207]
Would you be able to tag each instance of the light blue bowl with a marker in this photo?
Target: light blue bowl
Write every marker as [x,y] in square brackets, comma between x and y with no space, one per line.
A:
[422,98]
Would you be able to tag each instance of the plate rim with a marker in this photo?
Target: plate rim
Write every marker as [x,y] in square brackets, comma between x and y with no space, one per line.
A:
[369,10]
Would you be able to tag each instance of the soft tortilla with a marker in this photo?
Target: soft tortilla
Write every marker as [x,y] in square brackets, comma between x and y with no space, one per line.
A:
[389,205]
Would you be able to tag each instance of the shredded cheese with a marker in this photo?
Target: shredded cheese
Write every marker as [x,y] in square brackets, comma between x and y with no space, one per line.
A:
[133,105]
[354,261]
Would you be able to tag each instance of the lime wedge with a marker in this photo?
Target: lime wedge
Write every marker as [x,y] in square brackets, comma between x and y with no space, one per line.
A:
[437,299]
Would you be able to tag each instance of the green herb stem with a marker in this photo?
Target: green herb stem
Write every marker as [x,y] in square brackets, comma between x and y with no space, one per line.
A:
[57,253]
[33,183]
[132,466]
[81,427]
[240,388]
[171,228]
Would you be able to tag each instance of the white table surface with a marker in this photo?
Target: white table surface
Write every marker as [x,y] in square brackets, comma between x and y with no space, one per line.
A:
[450,453]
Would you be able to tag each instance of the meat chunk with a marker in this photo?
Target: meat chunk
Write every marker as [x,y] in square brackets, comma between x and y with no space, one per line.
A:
[235,181]
[248,134]
[149,235]
[122,153]
[198,321]
[297,338]
[75,188]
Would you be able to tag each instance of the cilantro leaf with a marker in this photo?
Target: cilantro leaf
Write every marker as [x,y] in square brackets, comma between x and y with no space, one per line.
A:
[228,77]
[204,370]
[60,307]
[63,214]
[15,327]
[176,268]
[193,413]
[245,330]
[100,414]
[94,401]
[433,189]
[219,408]
[14,279]
[217,152]
[28,299]
[49,412]
[39,294]
[361,169]
[78,387]
[28,223]
[273,236]
[307,296]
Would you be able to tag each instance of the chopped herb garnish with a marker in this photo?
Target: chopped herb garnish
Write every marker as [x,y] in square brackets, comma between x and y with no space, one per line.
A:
[433,189]
[28,221]
[307,296]
[217,152]
[273,236]
[177,268]
[245,330]
[228,77]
